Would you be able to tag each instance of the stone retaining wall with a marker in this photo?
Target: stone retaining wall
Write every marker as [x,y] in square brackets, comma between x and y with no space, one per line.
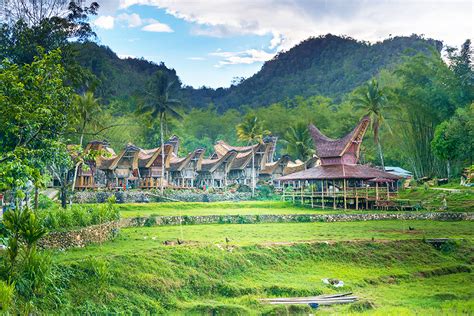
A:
[144,196]
[290,218]
[80,237]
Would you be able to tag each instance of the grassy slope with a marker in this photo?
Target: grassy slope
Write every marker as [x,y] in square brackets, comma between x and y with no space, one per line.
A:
[433,199]
[146,276]
[199,279]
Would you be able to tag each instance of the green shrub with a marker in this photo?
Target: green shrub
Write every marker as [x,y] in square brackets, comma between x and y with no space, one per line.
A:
[6,296]
[79,215]
[150,221]
[45,202]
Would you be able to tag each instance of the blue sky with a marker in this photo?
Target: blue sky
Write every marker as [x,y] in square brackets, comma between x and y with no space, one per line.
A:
[209,42]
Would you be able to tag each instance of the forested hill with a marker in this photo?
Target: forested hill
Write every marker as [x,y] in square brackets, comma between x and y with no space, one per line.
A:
[328,65]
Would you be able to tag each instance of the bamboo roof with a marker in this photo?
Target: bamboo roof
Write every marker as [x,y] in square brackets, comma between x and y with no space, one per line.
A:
[341,171]
[327,147]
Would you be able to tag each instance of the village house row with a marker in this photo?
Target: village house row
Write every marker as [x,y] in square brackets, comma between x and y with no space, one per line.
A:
[135,167]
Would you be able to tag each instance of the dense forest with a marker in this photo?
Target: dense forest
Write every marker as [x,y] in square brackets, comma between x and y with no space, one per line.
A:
[327,65]
[318,81]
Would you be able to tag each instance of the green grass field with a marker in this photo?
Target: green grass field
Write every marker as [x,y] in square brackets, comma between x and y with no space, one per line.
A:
[389,267]
[463,201]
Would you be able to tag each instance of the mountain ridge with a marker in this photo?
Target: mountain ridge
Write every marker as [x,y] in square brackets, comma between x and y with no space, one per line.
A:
[327,65]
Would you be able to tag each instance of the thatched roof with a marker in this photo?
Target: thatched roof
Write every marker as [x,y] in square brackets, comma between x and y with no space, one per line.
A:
[331,172]
[327,147]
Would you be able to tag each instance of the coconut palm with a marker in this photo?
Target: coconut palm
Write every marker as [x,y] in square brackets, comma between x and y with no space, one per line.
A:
[373,101]
[87,108]
[156,103]
[298,141]
[251,130]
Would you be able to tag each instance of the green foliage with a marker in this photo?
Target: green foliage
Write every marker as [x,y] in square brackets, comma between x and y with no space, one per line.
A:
[7,292]
[453,139]
[44,202]
[78,216]
[299,143]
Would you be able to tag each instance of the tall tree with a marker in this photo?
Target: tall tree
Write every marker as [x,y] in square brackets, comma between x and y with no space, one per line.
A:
[251,130]
[34,113]
[373,101]
[157,105]
[298,141]
[428,93]
[87,109]
[44,25]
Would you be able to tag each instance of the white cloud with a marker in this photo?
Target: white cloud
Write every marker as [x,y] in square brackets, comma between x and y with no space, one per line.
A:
[157,27]
[133,20]
[249,56]
[291,21]
[105,22]
[196,58]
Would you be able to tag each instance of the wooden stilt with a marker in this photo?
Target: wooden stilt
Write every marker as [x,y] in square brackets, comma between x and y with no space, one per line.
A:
[357,199]
[345,198]
[322,193]
[334,194]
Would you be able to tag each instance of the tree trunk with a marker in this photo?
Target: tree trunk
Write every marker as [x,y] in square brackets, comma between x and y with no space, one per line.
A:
[162,155]
[253,173]
[381,154]
[36,198]
[77,165]
[448,168]
[63,195]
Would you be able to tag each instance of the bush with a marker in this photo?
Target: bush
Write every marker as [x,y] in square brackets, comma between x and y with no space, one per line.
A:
[6,296]
[79,215]
[44,202]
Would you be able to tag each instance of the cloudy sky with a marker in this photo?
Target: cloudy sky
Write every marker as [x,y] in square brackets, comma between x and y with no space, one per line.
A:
[209,42]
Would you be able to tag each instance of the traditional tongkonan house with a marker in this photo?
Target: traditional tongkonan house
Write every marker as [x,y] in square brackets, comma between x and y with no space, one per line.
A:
[339,180]
[184,170]
[150,166]
[214,172]
[241,168]
[89,174]
[274,170]
[122,172]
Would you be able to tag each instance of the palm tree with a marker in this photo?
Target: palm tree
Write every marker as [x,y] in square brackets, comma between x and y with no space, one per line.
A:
[298,141]
[251,130]
[373,101]
[158,105]
[88,109]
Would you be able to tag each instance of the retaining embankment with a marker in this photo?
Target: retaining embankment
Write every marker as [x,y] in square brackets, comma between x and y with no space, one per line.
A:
[290,218]
[80,237]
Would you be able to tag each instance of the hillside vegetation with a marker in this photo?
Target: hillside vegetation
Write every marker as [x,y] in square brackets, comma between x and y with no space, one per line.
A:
[328,65]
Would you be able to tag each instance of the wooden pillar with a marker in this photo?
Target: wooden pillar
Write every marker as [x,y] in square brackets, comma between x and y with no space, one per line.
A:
[334,194]
[357,199]
[388,192]
[376,191]
[322,193]
[302,197]
[345,199]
